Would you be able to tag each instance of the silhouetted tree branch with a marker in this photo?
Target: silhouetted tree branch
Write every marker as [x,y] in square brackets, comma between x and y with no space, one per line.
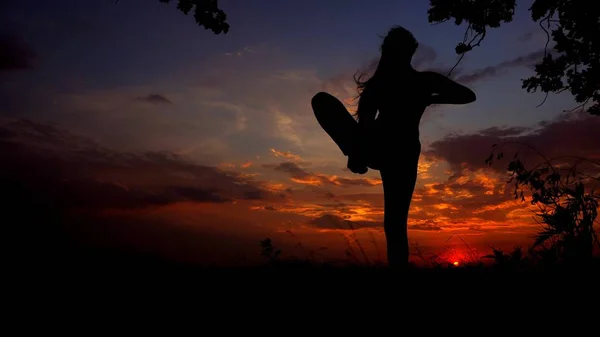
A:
[573,25]
[206,13]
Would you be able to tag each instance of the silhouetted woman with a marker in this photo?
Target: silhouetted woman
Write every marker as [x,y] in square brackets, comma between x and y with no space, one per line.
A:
[389,143]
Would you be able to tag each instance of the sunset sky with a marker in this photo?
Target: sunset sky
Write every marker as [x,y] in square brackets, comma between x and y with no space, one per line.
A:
[196,146]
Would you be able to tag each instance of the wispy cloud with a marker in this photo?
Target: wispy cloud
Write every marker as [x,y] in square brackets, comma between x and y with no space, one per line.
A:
[243,51]
[301,176]
[491,71]
[86,175]
[155,99]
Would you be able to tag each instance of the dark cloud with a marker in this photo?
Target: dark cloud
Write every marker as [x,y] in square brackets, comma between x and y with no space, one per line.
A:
[291,168]
[155,99]
[329,221]
[255,194]
[495,131]
[573,134]
[198,194]
[74,172]
[329,195]
[522,61]
[15,54]
[300,175]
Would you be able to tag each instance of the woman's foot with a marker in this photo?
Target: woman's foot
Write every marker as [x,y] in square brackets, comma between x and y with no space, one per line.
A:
[356,165]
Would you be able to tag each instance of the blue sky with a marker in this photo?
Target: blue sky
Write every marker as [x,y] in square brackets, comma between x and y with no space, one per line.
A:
[248,90]
[138,43]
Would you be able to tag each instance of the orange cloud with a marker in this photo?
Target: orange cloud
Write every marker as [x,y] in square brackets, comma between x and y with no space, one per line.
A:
[227,165]
[426,164]
[274,186]
[287,155]
[463,203]
[318,179]
[301,176]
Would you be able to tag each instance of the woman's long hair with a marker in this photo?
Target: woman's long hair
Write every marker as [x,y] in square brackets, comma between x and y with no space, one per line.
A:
[399,45]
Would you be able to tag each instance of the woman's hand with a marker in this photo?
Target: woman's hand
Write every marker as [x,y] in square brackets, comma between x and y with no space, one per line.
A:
[357,165]
[448,91]
[432,99]
[357,162]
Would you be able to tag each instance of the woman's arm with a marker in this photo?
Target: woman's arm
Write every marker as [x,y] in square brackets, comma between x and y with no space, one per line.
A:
[446,91]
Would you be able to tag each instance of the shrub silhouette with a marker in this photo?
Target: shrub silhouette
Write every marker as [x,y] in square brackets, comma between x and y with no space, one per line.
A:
[567,210]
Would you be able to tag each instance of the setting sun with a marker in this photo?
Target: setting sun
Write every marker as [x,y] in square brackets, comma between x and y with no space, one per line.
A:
[455,263]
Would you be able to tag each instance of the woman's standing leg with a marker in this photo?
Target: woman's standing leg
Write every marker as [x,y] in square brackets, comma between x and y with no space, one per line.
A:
[398,187]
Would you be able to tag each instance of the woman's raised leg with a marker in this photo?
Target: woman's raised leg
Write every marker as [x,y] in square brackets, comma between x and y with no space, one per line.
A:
[335,119]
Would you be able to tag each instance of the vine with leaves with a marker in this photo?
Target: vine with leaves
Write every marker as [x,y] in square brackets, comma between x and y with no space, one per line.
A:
[572,65]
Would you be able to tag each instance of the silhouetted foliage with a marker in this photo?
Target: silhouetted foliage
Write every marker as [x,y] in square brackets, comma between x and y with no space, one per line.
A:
[206,13]
[573,25]
[268,250]
[503,260]
[567,211]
